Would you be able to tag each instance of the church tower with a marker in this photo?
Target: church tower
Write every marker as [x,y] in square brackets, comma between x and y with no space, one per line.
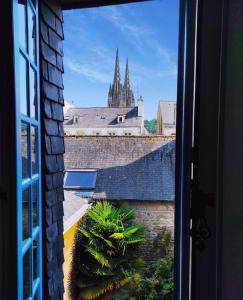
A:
[128,94]
[120,95]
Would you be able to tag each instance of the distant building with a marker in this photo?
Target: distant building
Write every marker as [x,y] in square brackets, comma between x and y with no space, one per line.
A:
[166,118]
[120,95]
[121,117]
[105,121]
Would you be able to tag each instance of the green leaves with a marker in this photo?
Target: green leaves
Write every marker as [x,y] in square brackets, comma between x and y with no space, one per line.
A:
[107,249]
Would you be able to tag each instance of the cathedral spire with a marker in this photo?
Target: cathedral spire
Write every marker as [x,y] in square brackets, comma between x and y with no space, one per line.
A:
[117,76]
[126,80]
[120,95]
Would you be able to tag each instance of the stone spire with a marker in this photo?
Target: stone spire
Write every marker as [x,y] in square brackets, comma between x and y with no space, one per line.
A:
[120,96]
[129,98]
[117,76]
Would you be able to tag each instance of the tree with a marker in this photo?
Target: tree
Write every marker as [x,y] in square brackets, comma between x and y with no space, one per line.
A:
[106,252]
[150,125]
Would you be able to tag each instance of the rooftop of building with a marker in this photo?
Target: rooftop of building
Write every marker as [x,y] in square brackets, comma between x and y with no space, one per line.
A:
[94,117]
[128,168]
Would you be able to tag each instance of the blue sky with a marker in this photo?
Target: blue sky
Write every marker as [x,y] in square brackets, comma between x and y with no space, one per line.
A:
[146,33]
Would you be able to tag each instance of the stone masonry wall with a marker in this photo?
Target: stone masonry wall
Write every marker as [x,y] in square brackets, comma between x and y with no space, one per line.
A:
[154,215]
[51,55]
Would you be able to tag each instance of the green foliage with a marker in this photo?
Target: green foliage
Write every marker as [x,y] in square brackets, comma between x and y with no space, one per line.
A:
[106,252]
[157,282]
[150,125]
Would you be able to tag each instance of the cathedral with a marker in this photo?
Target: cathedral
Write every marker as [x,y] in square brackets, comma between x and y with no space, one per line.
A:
[119,117]
[120,95]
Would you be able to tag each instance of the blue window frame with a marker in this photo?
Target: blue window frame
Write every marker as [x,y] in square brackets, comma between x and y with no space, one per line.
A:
[28,154]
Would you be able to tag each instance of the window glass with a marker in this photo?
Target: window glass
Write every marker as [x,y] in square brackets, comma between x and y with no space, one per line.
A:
[33,93]
[22,24]
[24,144]
[26,275]
[34,149]
[35,258]
[26,214]
[35,204]
[32,34]
[23,85]
[81,179]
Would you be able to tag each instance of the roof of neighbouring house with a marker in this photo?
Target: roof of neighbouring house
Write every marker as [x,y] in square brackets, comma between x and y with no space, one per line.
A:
[100,117]
[129,168]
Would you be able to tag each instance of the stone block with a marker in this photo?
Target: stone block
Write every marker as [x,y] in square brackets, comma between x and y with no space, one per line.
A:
[61,98]
[57,110]
[48,54]
[48,16]
[48,145]
[49,251]
[51,198]
[60,194]
[48,216]
[44,70]
[59,28]
[55,8]
[55,42]
[60,162]
[51,232]
[57,211]
[50,91]
[48,180]
[47,109]
[61,131]
[58,180]
[51,164]
[60,63]
[44,32]
[51,127]
[55,76]
[57,145]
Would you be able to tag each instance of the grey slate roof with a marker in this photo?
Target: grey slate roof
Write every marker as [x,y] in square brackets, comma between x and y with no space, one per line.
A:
[95,117]
[129,168]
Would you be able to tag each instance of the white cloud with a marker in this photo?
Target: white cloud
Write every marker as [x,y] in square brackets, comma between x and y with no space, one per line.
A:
[89,71]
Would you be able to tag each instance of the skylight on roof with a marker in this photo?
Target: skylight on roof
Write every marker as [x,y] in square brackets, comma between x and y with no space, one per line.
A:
[80,179]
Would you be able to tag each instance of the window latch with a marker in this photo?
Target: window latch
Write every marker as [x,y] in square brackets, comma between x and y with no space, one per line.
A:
[200,231]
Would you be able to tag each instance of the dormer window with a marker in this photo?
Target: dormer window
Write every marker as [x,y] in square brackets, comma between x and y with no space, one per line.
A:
[120,119]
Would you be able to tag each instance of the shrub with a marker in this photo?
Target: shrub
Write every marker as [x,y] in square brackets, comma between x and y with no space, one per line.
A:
[106,251]
[157,282]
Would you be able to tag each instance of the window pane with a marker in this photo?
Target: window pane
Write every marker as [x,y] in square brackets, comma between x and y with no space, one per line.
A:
[32,33]
[24,144]
[27,275]
[26,214]
[22,85]
[33,93]
[80,179]
[35,204]
[22,24]
[35,259]
[34,149]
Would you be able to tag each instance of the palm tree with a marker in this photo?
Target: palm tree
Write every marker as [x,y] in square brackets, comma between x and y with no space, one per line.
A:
[106,252]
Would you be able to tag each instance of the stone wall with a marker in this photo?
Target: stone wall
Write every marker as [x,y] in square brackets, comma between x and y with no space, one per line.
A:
[155,216]
[51,36]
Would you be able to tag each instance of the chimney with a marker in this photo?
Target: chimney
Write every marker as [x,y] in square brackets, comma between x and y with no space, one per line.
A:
[140,107]
[75,119]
